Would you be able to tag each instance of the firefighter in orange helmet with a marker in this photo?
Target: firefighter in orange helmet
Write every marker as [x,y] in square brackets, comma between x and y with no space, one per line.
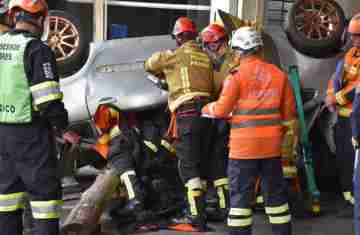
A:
[257,97]
[188,73]
[31,112]
[354,29]
[215,44]
[340,96]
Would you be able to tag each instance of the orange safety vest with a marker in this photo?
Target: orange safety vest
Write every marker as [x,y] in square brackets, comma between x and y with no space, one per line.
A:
[351,78]
[352,64]
[260,98]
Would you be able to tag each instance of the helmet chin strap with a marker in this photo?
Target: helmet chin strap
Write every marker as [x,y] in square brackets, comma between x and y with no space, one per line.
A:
[243,52]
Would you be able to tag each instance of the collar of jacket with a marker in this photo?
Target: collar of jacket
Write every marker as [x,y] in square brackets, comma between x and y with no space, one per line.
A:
[249,59]
[246,60]
[190,44]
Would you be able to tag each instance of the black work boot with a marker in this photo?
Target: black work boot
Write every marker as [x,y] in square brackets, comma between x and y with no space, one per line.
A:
[223,201]
[135,192]
[132,206]
[217,204]
[346,210]
[194,219]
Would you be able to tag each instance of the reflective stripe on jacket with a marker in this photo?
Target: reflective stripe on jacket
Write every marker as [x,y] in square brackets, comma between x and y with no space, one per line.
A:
[260,98]
[188,73]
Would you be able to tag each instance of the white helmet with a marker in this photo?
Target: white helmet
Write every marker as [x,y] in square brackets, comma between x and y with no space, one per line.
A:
[246,38]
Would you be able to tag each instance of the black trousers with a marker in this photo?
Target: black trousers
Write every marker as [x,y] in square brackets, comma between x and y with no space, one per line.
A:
[243,175]
[344,154]
[193,144]
[125,152]
[217,163]
[28,163]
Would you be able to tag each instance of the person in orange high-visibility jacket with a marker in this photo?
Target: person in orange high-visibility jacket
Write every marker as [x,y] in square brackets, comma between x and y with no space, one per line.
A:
[257,97]
[354,29]
[340,96]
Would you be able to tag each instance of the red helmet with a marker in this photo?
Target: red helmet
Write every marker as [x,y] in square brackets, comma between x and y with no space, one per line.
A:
[31,6]
[354,26]
[213,33]
[182,25]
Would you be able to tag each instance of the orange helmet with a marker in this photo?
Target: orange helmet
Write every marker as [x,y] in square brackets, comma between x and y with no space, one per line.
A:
[354,26]
[213,33]
[106,117]
[182,25]
[31,6]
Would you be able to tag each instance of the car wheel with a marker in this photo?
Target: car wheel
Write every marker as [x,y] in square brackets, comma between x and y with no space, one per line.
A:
[66,39]
[316,27]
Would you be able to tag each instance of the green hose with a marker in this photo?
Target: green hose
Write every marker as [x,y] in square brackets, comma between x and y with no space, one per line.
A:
[304,140]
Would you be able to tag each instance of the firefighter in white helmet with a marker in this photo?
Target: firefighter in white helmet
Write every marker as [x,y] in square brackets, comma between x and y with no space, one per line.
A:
[260,98]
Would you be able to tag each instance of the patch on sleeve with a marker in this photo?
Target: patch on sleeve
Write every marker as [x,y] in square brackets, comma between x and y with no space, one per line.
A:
[48,71]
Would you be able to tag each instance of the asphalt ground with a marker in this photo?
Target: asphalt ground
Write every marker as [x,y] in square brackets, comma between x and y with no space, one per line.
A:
[327,223]
[324,225]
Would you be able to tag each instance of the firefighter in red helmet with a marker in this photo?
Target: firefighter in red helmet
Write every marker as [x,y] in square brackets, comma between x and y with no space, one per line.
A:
[215,44]
[188,73]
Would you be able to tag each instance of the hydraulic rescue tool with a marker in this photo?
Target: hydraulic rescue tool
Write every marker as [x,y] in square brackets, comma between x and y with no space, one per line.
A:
[305,142]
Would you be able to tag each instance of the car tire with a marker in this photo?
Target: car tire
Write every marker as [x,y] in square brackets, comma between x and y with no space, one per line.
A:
[308,27]
[66,39]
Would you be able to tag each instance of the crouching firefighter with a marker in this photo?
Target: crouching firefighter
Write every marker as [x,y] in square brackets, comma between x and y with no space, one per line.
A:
[215,43]
[260,98]
[119,145]
[31,112]
[341,92]
[354,29]
[187,71]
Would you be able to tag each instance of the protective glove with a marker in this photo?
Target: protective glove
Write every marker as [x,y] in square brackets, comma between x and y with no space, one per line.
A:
[355,142]
[71,137]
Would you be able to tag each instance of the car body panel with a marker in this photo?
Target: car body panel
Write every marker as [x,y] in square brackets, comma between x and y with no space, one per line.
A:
[114,71]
